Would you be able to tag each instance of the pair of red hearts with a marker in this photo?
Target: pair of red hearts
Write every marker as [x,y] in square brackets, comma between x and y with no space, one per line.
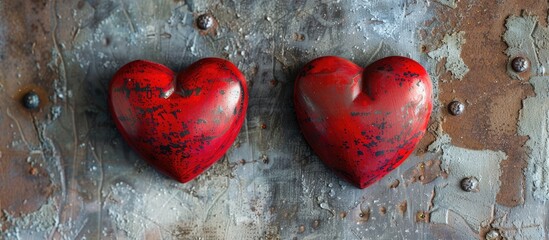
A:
[362,123]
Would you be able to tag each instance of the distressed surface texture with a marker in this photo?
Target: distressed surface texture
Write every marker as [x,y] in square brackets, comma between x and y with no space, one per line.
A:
[66,173]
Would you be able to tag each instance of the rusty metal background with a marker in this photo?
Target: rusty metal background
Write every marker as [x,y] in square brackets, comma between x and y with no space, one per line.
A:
[65,172]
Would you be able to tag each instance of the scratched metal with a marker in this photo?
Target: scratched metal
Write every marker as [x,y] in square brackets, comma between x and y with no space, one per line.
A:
[66,173]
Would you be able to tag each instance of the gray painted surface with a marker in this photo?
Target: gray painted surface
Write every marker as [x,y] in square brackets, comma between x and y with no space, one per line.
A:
[270,184]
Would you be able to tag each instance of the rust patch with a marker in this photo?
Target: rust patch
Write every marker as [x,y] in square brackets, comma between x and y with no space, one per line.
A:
[394,184]
[493,100]
[429,137]
[25,188]
[299,37]
[25,51]
[403,207]
[422,216]
[382,210]
[424,172]
[364,216]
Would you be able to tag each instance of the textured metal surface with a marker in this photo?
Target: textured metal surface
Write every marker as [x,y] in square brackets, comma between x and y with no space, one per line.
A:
[66,173]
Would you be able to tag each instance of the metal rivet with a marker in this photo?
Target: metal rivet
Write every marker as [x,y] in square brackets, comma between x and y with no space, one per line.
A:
[469,184]
[204,21]
[31,100]
[456,108]
[520,64]
[492,235]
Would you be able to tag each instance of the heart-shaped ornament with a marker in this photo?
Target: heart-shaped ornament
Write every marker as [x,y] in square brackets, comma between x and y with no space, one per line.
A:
[363,123]
[180,125]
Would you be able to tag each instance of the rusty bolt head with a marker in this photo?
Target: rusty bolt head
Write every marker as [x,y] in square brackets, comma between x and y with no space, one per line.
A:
[520,64]
[31,100]
[456,108]
[469,184]
[204,21]
[492,235]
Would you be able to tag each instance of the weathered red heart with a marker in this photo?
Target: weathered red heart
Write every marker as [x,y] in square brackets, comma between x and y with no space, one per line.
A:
[180,125]
[363,123]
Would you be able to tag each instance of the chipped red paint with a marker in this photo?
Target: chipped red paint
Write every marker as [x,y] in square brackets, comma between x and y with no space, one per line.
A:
[180,125]
[363,123]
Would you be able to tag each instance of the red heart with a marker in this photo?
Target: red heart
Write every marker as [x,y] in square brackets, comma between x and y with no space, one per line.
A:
[179,125]
[363,123]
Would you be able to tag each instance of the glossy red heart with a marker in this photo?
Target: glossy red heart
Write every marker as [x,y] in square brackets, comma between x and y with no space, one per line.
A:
[363,123]
[180,125]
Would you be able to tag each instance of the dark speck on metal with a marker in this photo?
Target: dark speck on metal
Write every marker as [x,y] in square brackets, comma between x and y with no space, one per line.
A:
[31,100]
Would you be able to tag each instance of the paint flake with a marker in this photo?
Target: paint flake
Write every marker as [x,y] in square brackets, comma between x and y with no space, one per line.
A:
[451,50]
[525,37]
[474,207]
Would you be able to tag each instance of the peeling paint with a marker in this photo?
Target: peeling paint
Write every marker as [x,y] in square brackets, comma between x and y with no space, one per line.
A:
[527,221]
[39,223]
[270,185]
[525,36]
[451,51]
[476,208]
[534,122]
